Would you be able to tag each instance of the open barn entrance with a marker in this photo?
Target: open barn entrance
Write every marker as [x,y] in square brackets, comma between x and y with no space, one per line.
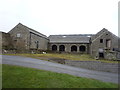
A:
[82,48]
[62,48]
[54,48]
[101,55]
[74,48]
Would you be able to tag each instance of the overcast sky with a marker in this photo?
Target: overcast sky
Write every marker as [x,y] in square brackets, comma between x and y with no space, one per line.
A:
[60,16]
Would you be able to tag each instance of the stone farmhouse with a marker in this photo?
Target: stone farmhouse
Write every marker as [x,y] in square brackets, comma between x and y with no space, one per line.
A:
[104,44]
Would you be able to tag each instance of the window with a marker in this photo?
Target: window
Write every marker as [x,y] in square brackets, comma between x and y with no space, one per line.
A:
[108,43]
[101,40]
[18,35]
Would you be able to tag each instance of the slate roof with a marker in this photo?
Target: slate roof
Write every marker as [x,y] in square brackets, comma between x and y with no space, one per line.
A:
[34,31]
[74,38]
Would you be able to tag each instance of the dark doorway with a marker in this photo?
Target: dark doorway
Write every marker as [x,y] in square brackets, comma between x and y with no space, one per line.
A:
[74,48]
[54,48]
[37,44]
[101,55]
[62,48]
[82,48]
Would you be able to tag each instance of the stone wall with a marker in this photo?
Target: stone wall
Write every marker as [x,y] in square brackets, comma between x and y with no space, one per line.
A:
[99,46]
[24,38]
[20,37]
[68,47]
[6,40]
[38,42]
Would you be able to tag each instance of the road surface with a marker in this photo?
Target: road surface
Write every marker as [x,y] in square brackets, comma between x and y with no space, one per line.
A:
[60,68]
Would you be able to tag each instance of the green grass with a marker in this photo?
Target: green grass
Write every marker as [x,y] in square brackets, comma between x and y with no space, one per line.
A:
[80,57]
[22,77]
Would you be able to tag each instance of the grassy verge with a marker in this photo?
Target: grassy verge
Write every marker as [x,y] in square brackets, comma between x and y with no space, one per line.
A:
[22,77]
[80,57]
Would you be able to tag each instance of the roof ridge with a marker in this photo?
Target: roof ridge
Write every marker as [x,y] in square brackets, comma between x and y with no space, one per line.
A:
[73,35]
[31,29]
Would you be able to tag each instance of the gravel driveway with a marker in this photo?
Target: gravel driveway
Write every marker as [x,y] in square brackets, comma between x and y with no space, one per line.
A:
[60,68]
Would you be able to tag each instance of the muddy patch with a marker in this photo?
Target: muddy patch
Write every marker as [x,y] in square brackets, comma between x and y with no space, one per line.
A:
[58,60]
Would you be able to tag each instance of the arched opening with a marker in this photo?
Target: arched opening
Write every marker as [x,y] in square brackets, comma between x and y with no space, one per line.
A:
[61,48]
[54,48]
[101,55]
[74,48]
[82,48]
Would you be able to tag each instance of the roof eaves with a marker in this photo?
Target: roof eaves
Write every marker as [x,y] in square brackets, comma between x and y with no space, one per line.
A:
[34,31]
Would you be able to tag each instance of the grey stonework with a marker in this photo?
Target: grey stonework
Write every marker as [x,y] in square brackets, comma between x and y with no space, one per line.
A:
[6,40]
[69,46]
[72,43]
[27,38]
[104,44]
[38,42]
[100,45]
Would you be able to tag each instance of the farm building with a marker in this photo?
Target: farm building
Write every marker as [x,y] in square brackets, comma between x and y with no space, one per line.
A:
[24,37]
[104,44]
[70,43]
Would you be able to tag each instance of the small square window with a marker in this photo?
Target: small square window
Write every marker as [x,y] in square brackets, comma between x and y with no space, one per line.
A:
[18,35]
[101,40]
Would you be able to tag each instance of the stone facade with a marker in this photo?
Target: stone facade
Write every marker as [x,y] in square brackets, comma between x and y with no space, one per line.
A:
[38,42]
[69,43]
[6,41]
[104,44]
[75,48]
[26,38]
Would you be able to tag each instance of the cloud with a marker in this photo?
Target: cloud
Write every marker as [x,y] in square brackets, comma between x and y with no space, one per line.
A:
[60,16]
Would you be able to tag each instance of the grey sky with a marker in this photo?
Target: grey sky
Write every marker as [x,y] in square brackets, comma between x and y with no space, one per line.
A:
[60,16]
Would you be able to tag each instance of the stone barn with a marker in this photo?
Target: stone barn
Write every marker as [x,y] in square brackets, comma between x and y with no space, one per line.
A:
[105,44]
[79,43]
[25,38]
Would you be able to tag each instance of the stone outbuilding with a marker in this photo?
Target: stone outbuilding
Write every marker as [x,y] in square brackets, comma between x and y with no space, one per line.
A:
[25,38]
[77,43]
[104,44]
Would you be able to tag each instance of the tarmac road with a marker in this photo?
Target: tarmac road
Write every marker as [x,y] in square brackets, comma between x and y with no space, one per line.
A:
[60,68]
